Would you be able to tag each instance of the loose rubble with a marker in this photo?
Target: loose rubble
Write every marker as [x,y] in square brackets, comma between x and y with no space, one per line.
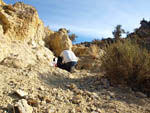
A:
[50,89]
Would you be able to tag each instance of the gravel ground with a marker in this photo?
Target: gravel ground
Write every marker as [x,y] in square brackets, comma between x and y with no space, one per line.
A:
[52,90]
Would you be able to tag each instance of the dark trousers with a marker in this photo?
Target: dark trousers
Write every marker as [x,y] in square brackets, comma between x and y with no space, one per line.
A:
[68,66]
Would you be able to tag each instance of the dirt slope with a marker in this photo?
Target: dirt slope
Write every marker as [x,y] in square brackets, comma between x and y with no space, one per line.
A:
[53,90]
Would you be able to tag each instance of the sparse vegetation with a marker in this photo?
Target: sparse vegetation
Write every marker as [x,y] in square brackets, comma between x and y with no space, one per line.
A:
[128,64]
[73,37]
[117,32]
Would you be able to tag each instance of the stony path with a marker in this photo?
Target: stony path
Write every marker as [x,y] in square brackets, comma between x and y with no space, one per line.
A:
[52,90]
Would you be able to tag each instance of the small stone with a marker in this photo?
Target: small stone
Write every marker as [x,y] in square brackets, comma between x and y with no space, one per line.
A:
[48,100]
[41,88]
[54,89]
[93,108]
[105,83]
[43,102]
[77,91]
[89,99]
[95,95]
[107,97]
[94,112]
[112,94]
[33,102]
[5,112]
[72,86]
[77,99]
[50,110]
[87,93]
[21,93]
[72,111]
[140,94]
[23,106]
[99,110]
[42,98]
[79,109]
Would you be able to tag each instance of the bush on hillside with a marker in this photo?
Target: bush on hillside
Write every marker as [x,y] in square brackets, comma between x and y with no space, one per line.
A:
[128,64]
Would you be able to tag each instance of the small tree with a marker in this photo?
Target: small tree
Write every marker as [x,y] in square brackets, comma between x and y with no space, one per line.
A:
[73,37]
[117,32]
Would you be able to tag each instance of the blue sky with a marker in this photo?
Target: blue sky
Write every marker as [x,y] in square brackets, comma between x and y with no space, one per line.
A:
[90,19]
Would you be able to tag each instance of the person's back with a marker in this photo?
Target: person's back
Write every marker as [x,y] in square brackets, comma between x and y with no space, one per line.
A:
[68,56]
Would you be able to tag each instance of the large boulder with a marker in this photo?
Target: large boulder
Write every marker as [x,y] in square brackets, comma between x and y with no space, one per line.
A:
[21,36]
[21,22]
[1,2]
[60,41]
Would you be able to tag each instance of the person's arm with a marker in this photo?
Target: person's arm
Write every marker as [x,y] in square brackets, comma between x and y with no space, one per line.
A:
[61,55]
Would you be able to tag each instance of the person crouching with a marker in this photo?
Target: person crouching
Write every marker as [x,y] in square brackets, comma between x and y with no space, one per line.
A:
[69,60]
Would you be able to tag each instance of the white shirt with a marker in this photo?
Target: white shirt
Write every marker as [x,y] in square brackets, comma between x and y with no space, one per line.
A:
[68,56]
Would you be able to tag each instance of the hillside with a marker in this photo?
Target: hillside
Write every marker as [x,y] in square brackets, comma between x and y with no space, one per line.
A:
[30,85]
[142,34]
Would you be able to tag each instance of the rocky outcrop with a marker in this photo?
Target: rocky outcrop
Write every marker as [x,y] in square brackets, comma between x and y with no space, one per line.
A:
[19,55]
[48,34]
[142,34]
[1,2]
[21,36]
[21,22]
[60,41]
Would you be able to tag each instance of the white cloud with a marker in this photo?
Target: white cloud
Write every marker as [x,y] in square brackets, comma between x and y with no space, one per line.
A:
[83,31]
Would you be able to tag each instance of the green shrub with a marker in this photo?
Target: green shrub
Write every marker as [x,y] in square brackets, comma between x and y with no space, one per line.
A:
[128,64]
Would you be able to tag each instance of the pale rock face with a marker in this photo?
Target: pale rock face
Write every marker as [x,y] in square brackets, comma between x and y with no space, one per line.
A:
[21,22]
[19,55]
[60,41]
[21,37]
[48,34]
[1,2]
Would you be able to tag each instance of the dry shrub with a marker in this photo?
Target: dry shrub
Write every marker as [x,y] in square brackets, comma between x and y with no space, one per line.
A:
[126,63]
